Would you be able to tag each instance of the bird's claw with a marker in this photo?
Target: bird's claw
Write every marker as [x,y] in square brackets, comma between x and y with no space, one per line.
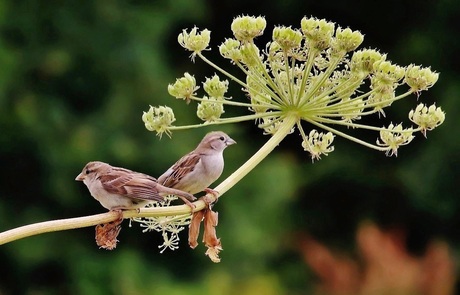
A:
[188,203]
[208,200]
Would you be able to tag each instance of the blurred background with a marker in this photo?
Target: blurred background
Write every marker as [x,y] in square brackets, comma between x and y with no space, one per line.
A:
[75,78]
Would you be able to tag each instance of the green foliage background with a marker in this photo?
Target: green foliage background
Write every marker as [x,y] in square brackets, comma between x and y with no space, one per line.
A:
[75,77]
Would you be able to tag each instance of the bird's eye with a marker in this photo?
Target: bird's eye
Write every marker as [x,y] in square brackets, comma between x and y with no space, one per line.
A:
[222,138]
[88,171]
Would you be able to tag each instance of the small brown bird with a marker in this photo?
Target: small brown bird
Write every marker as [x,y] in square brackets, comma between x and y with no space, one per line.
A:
[198,169]
[118,188]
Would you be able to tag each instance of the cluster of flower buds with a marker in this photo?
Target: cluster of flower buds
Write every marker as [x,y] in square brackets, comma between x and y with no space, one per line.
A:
[314,74]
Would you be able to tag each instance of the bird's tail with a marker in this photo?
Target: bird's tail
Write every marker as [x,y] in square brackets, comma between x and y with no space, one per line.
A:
[179,193]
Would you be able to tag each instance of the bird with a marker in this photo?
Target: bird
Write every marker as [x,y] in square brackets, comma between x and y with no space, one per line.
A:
[119,188]
[195,171]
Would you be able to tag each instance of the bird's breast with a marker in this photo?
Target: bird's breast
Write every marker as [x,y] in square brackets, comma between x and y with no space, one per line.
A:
[213,166]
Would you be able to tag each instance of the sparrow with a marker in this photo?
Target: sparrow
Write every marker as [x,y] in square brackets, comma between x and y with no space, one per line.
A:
[119,188]
[195,171]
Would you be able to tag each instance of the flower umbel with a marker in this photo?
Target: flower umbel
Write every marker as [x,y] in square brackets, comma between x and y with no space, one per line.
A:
[193,41]
[184,88]
[393,137]
[159,119]
[310,75]
[210,109]
[214,87]
[318,144]
[427,118]
[246,28]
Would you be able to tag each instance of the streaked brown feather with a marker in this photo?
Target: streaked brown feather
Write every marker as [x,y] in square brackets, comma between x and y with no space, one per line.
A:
[130,184]
[185,165]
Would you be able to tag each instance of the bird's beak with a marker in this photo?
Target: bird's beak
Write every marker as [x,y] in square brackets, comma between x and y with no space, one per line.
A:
[230,141]
[80,177]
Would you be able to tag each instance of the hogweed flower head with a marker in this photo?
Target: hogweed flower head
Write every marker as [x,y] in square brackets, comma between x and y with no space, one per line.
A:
[287,38]
[313,74]
[308,76]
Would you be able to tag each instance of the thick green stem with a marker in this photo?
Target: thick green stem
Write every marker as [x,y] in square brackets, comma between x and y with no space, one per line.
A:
[79,222]
[267,148]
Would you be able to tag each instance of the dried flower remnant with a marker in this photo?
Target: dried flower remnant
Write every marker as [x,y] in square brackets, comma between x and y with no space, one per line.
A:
[194,228]
[106,234]
[210,237]
[210,220]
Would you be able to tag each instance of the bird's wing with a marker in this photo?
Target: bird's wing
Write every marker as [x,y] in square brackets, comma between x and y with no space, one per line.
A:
[133,185]
[183,167]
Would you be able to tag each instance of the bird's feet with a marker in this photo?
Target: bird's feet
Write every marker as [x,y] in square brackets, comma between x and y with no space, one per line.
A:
[210,200]
[188,203]
[119,219]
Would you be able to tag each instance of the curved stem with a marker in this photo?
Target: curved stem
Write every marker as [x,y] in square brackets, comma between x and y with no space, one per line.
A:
[55,225]
[86,221]
[267,148]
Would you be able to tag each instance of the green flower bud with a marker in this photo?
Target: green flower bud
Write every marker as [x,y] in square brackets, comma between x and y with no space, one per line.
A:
[387,73]
[318,32]
[159,119]
[215,88]
[250,55]
[346,40]
[363,61]
[194,41]
[383,83]
[419,78]
[393,137]
[231,49]
[381,98]
[427,118]
[246,28]
[270,125]
[183,88]
[210,109]
[318,144]
[287,38]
